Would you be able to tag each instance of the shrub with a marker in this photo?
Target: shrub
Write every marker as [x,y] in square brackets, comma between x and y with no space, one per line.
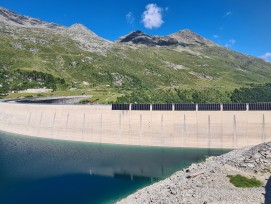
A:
[244,182]
[84,101]
[40,95]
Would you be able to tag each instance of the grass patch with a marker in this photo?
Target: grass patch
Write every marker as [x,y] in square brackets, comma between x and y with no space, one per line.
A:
[244,182]
[84,101]
[266,170]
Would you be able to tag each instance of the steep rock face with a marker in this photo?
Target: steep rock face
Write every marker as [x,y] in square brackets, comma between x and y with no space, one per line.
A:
[138,37]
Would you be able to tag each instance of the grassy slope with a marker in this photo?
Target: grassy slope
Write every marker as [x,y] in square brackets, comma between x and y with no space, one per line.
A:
[148,67]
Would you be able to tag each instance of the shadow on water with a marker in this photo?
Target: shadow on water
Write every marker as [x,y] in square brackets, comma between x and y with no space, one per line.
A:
[268,192]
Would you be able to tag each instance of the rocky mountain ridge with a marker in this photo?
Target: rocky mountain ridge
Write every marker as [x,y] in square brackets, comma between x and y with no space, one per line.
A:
[13,19]
[182,38]
[85,38]
[138,37]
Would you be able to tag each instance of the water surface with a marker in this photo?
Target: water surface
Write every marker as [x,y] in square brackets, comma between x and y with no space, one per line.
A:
[35,170]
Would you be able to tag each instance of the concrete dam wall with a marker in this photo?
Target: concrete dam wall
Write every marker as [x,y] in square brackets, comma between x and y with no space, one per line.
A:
[170,128]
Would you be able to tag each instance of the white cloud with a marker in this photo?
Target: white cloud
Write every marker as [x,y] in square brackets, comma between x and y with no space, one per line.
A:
[266,57]
[230,43]
[152,16]
[227,14]
[130,18]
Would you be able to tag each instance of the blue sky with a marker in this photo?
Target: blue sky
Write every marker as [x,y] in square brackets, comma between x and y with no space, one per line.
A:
[241,25]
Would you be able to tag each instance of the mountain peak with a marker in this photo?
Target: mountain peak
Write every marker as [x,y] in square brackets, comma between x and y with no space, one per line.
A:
[88,40]
[85,39]
[79,28]
[189,37]
[133,37]
[182,38]
[138,37]
[138,32]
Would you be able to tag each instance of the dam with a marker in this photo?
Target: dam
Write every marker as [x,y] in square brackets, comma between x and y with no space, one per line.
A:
[228,126]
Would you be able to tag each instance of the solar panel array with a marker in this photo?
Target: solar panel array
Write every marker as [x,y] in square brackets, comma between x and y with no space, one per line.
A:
[141,107]
[209,107]
[165,107]
[185,107]
[193,107]
[259,106]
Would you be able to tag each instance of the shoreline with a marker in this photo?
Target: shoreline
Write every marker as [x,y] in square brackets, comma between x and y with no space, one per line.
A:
[207,182]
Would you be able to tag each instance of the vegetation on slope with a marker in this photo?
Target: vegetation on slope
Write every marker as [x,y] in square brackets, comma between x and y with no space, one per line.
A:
[195,74]
[244,182]
[257,93]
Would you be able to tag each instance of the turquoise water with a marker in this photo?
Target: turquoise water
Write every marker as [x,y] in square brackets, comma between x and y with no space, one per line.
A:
[34,170]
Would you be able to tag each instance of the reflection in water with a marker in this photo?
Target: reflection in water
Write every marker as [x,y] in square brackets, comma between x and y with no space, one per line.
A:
[41,170]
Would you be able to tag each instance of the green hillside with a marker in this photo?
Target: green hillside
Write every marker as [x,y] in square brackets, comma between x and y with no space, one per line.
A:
[33,57]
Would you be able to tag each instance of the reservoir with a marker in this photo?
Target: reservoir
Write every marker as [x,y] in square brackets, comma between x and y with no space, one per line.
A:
[36,170]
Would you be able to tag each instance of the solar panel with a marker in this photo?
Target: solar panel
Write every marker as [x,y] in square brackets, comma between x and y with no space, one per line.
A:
[209,107]
[164,107]
[234,107]
[259,106]
[120,106]
[185,107]
[145,107]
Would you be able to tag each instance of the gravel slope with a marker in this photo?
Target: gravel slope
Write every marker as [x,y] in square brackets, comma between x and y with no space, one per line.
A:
[207,182]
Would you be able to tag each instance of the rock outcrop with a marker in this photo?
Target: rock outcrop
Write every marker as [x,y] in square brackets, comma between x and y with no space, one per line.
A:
[207,182]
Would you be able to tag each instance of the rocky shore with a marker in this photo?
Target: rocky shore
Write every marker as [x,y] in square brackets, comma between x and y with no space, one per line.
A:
[207,182]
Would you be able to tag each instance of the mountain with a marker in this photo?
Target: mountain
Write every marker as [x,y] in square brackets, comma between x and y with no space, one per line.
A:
[74,60]
[13,19]
[84,38]
[183,38]
[188,37]
[138,37]
[87,40]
